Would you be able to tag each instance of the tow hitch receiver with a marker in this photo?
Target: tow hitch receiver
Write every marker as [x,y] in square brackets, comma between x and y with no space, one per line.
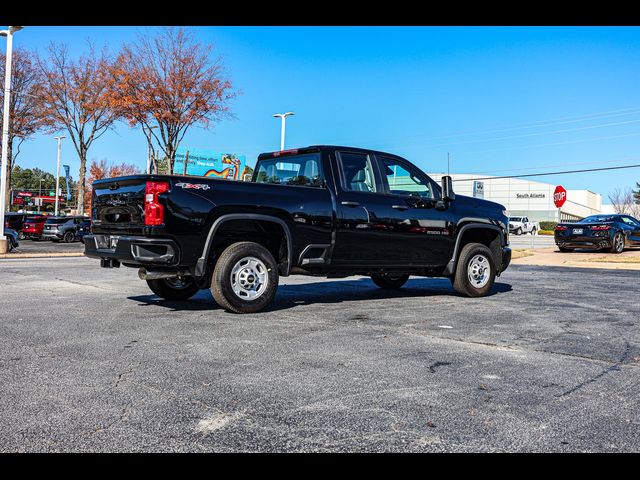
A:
[109,263]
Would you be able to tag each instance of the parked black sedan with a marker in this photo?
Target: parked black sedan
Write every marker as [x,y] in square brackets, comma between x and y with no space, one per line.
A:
[603,232]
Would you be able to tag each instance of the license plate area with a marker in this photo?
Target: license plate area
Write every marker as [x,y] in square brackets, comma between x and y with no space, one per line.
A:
[106,242]
[577,231]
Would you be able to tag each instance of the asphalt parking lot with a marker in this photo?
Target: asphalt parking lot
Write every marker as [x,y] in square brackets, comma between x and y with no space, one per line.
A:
[47,247]
[91,360]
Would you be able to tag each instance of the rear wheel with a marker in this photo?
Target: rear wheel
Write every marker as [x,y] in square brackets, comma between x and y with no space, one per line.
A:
[390,282]
[21,235]
[68,237]
[533,232]
[177,288]
[519,231]
[617,246]
[475,271]
[245,278]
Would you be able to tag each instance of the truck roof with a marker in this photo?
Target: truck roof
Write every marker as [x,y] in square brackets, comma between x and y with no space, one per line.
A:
[318,148]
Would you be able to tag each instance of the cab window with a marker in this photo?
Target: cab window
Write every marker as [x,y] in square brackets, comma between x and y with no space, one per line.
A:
[403,179]
[357,172]
[301,170]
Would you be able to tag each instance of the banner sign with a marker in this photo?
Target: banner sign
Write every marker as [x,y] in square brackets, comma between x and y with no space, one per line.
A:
[66,170]
[478,189]
[207,163]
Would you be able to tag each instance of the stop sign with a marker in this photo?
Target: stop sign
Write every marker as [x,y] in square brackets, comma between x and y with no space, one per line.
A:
[559,196]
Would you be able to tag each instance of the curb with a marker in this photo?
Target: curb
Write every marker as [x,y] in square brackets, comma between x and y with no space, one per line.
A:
[40,255]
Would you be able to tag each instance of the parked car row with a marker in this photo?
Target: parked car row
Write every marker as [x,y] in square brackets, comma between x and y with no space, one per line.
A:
[46,227]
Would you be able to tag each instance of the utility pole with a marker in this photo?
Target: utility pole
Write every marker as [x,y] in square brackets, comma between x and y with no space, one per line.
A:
[5,132]
[283,117]
[58,174]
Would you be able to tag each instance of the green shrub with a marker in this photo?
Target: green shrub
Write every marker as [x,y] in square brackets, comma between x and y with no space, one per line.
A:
[545,232]
[548,225]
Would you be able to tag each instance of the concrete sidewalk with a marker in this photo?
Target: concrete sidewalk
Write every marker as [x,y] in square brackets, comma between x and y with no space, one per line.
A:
[552,257]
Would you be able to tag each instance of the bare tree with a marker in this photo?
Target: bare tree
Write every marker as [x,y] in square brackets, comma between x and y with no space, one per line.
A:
[166,84]
[25,105]
[623,202]
[76,99]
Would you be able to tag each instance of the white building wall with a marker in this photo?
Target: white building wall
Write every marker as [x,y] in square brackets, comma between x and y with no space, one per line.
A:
[528,198]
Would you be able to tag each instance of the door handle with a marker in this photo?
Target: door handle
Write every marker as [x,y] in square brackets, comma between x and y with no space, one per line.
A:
[350,204]
[400,207]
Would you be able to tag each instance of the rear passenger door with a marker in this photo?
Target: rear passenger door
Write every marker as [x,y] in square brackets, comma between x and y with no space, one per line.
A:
[360,233]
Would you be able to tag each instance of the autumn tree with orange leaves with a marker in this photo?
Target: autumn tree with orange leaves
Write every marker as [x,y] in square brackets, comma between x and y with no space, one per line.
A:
[105,169]
[25,105]
[167,83]
[76,98]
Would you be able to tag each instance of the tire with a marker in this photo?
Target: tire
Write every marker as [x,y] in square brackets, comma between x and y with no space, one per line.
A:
[179,288]
[390,282]
[617,245]
[519,231]
[533,232]
[21,235]
[68,236]
[565,250]
[475,271]
[245,278]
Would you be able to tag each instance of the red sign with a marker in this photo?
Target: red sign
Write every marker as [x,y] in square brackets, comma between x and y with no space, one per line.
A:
[559,196]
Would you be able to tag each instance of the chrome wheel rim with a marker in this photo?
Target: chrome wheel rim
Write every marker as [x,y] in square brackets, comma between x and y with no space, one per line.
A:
[177,283]
[249,278]
[479,271]
[619,243]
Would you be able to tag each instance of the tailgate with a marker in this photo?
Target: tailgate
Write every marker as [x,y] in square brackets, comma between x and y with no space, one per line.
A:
[118,204]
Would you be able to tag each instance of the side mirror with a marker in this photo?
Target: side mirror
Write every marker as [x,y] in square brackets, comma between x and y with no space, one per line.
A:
[447,189]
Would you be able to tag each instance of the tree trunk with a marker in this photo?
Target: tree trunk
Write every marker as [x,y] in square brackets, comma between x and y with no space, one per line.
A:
[82,179]
[171,157]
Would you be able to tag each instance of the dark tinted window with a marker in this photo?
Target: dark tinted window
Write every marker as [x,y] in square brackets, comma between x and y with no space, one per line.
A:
[599,218]
[357,172]
[303,170]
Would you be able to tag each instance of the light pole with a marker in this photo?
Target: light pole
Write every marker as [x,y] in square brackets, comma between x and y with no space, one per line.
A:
[283,117]
[40,195]
[5,131]
[58,174]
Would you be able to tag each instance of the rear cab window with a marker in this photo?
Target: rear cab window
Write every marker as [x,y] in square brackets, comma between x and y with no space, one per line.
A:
[303,170]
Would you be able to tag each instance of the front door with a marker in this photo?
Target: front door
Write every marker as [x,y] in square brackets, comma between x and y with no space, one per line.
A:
[422,233]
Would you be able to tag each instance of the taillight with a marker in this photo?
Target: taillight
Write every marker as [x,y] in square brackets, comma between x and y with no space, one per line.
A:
[561,228]
[153,211]
[601,227]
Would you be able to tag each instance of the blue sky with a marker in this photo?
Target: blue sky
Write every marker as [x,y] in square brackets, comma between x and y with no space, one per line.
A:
[501,100]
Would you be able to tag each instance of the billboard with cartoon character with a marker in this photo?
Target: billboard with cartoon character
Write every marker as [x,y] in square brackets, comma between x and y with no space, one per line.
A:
[207,163]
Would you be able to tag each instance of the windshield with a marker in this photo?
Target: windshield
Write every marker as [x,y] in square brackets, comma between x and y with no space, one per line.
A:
[515,219]
[598,219]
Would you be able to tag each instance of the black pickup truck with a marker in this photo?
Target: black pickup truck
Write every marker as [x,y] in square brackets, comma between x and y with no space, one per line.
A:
[321,210]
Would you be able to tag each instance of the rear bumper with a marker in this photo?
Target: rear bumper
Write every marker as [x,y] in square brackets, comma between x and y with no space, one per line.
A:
[51,234]
[145,251]
[584,241]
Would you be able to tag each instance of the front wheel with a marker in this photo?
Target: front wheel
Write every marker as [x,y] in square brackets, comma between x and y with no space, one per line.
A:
[177,288]
[617,246]
[519,231]
[475,271]
[245,278]
[68,237]
[390,282]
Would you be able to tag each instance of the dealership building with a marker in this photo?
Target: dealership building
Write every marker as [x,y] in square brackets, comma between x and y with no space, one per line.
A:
[525,197]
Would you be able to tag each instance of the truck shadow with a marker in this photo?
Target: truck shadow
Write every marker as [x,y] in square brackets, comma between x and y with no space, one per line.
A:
[336,291]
